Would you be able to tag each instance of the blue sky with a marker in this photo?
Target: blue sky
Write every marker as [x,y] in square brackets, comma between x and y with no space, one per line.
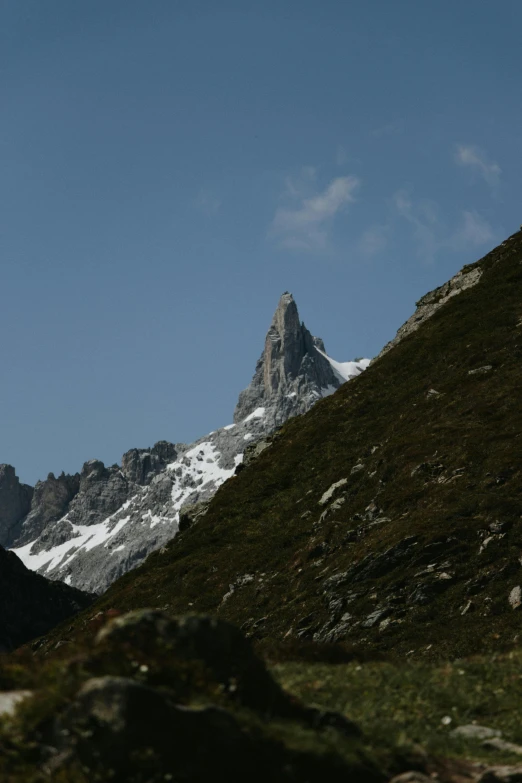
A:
[169,168]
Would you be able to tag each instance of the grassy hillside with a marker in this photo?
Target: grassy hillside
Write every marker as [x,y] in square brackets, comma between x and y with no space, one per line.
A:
[420,553]
[423,550]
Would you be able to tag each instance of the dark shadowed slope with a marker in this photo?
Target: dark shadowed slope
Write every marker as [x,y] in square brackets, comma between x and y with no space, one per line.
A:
[30,605]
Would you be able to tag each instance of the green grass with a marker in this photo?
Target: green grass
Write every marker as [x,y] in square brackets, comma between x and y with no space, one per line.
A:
[412,702]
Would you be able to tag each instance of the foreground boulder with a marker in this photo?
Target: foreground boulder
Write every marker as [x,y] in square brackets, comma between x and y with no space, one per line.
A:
[184,699]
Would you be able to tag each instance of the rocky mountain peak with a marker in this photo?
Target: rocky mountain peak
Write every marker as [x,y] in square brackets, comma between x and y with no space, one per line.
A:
[292,372]
[284,345]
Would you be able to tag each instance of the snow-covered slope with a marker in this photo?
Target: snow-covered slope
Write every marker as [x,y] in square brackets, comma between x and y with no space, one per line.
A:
[94,555]
[345,371]
[121,514]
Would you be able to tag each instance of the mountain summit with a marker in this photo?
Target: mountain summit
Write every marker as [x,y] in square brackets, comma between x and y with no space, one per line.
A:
[91,528]
[293,371]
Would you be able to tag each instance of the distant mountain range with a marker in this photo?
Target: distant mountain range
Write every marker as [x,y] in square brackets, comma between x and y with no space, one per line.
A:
[90,528]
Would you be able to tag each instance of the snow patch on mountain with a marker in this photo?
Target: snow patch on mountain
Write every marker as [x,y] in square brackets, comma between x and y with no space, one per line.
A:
[345,371]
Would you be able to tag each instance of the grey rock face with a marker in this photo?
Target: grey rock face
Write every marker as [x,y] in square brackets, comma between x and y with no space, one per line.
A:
[141,465]
[15,502]
[119,515]
[50,502]
[102,491]
[291,374]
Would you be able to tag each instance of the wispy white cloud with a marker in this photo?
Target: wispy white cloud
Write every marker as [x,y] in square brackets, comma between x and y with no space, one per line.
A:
[478,161]
[207,202]
[305,221]
[423,217]
[472,230]
[431,233]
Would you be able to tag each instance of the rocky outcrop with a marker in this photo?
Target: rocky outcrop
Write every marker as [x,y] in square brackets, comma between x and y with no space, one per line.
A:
[292,372]
[141,465]
[30,605]
[433,301]
[50,502]
[15,502]
[102,492]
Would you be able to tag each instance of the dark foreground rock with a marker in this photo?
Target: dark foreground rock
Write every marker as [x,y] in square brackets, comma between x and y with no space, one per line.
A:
[157,699]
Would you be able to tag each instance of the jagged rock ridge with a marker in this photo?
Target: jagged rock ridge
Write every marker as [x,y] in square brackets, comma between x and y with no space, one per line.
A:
[91,528]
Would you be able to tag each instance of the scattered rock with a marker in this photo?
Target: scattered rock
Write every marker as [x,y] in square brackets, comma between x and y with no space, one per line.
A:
[375,617]
[331,490]
[241,581]
[9,700]
[481,370]
[502,774]
[496,743]
[474,732]
[414,776]
[515,597]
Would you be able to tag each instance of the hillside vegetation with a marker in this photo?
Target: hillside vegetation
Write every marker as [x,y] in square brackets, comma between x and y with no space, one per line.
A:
[418,550]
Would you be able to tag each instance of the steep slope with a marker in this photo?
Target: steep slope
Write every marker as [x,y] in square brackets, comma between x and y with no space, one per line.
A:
[89,529]
[390,514]
[31,605]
